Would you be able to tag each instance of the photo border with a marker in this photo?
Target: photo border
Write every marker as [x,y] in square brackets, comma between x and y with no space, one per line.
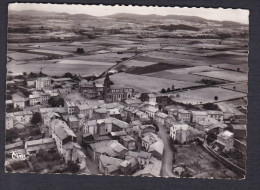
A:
[64,181]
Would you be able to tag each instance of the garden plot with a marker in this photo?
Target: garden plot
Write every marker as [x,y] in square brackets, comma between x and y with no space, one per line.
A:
[195,69]
[50,51]
[207,95]
[24,56]
[202,164]
[225,75]
[143,83]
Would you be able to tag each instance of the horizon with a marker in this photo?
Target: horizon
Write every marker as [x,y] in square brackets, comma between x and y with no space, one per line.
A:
[220,14]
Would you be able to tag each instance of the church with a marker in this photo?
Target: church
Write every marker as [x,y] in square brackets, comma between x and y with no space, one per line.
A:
[116,93]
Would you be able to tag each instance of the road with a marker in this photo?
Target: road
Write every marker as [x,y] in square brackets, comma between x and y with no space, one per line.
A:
[167,153]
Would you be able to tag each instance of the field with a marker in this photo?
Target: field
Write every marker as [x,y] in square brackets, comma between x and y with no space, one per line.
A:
[190,70]
[203,165]
[179,77]
[225,75]
[141,84]
[205,95]
[23,56]
[240,87]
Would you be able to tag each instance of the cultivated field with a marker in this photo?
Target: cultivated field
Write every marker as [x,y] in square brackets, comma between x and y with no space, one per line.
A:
[225,75]
[147,84]
[205,95]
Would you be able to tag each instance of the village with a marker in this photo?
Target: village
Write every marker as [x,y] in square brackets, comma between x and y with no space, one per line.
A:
[72,124]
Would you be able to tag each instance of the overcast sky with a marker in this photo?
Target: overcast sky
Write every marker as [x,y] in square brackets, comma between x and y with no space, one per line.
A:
[237,15]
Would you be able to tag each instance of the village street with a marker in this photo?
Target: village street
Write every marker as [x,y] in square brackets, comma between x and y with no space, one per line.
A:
[167,153]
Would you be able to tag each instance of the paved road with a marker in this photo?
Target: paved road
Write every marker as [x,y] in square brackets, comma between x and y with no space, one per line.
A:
[167,154]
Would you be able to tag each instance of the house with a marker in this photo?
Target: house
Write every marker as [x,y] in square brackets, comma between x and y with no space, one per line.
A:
[116,93]
[153,169]
[69,106]
[10,84]
[170,110]
[99,89]
[89,93]
[14,146]
[19,82]
[159,117]
[218,115]
[48,117]
[90,127]
[110,148]
[142,157]
[73,122]
[145,129]
[109,165]
[150,110]
[36,145]
[85,85]
[183,115]
[9,120]
[42,82]
[225,140]
[73,152]
[157,149]
[9,104]
[118,125]
[84,109]
[181,133]
[239,131]
[100,113]
[62,135]
[148,139]
[210,125]
[169,122]
[19,102]
[128,142]
[34,99]
[128,167]
[23,117]
[149,97]
[59,110]
[133,102]
[197,116]
[116,135]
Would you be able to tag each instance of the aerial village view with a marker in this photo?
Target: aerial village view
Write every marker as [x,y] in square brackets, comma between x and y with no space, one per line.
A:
[126,93]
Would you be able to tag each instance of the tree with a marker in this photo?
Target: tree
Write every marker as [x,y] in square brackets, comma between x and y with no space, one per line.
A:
[8,97]
[210,106]
[25,82]
[215,98]
[68,75]
[168,89]
[11,134]
[173,87]
[73,167]
[24,73]
[80,50]
[163,91]
[36,118]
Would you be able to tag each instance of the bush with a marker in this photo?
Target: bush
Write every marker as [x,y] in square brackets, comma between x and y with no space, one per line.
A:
[18,165]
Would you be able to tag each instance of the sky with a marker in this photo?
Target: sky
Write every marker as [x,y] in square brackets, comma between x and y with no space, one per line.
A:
[220,14]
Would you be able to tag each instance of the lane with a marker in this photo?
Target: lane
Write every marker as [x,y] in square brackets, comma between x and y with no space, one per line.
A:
[167,153]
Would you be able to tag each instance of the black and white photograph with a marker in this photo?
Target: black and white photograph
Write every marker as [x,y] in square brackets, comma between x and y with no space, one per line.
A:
[141,91]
